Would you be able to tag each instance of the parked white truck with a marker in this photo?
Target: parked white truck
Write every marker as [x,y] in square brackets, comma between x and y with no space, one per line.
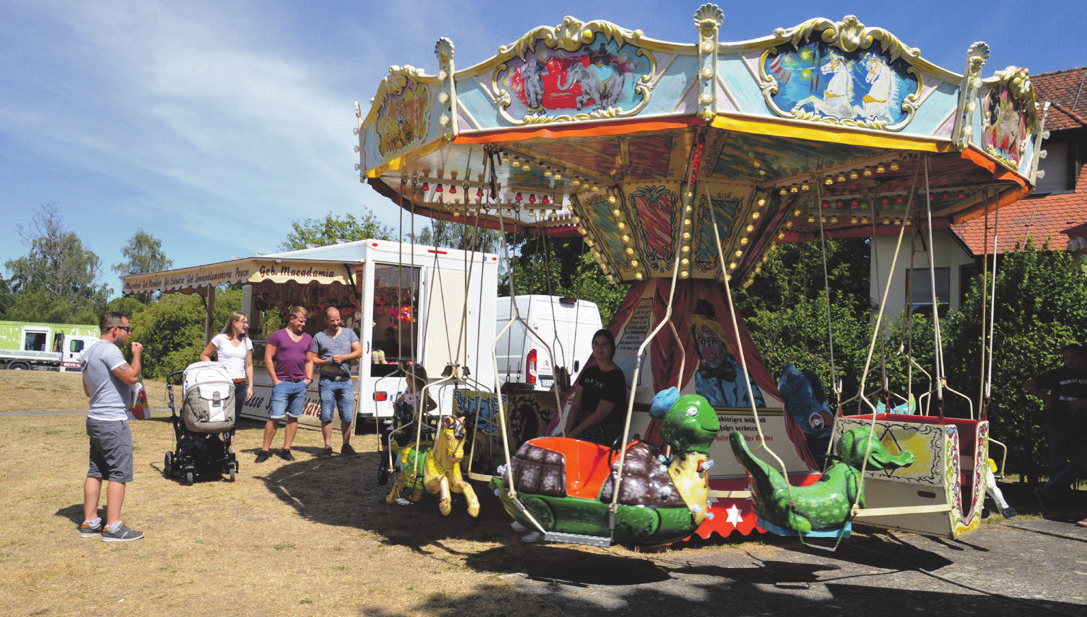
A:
[42,346]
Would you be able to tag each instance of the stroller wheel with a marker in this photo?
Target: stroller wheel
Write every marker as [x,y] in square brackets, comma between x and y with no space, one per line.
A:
[189,478]
[232,472]
[168,465]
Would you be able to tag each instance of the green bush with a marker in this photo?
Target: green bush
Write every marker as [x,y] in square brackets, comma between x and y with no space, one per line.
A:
[1041,305]
[172,329]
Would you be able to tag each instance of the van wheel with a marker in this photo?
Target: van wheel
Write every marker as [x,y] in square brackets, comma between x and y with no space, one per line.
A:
[18,366]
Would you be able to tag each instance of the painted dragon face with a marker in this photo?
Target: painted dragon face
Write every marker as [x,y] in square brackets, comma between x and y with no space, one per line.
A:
[855,443]
[690,425]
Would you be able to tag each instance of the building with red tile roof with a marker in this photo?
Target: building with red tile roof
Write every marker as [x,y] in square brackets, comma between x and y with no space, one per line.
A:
[1058,205]
[1054,215]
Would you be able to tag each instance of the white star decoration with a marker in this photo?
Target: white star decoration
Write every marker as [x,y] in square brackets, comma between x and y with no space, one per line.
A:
[734,516]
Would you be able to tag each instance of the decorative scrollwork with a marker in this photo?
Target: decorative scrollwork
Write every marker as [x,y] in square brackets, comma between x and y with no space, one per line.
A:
[1009,116]
[867,70]
[401,109]
[570,35]
[971,83]
[444,49]
[708,18]
[848,35]
[597,63]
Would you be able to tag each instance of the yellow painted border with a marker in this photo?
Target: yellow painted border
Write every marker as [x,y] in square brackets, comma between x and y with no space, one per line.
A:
[833,135]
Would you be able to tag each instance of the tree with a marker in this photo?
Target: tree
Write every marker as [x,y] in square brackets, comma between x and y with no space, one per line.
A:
[333,230]
[57,276]
[144,254]
[793,271]
[459,236]
[1041,305]
[560,267]
[6,297]
[127,305]
[786,306]
[172,329]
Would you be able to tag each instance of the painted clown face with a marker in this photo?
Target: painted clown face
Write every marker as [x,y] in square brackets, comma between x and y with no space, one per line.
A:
[710,348]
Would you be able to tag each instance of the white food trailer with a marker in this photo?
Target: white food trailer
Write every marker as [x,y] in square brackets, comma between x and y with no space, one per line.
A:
[434,307]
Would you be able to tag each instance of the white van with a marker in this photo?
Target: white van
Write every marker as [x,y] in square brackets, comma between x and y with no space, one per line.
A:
[562,336]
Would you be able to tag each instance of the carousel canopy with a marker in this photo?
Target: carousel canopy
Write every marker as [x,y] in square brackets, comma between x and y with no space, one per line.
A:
[702,154]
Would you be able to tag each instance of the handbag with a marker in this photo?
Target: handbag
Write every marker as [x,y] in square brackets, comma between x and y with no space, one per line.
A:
[139,410]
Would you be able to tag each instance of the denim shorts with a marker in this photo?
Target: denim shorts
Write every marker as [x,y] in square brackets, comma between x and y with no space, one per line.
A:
[337,394]
[288,398]
[111,450]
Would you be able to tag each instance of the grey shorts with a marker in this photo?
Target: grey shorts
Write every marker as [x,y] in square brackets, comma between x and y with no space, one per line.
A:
[111,450]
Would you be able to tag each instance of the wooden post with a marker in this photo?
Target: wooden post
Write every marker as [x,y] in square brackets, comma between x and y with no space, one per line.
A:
[209,327]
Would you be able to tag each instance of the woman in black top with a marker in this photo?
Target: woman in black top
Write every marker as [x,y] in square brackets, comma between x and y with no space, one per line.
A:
[601,390]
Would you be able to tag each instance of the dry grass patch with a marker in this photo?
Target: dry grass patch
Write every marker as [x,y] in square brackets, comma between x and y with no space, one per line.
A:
[53,391]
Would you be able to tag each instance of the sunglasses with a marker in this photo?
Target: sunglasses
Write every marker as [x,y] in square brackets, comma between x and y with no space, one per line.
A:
[125,328]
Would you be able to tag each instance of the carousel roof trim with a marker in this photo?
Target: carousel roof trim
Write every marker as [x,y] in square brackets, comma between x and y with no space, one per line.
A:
[634,143]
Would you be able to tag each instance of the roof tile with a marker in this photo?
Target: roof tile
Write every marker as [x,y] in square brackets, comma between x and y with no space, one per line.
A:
[1067,91]
[1043,217]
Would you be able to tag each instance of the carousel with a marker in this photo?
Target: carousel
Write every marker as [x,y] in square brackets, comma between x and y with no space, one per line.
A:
[681,165]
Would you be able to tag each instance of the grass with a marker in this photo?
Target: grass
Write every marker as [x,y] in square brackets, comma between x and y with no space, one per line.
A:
[53,391]
[309,538]
[313,537]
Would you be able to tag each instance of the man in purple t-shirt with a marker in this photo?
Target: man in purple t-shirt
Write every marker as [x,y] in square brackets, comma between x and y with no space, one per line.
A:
[290,366]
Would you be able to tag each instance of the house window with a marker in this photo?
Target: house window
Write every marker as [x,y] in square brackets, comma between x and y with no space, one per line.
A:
[1057,166]
[919,290]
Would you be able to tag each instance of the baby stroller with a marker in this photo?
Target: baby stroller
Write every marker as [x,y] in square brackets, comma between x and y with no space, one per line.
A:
[205,426]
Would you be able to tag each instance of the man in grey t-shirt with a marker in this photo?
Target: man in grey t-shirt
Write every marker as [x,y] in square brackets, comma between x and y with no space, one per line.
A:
[334,348]
[108,381]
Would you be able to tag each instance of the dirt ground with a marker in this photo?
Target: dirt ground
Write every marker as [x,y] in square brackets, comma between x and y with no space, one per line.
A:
[315,537]
[312,537]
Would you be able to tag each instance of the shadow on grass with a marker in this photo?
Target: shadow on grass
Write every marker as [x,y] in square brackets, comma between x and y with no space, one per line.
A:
[73,513]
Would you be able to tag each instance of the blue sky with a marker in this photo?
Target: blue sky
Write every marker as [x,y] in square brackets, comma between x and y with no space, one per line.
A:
[213,125]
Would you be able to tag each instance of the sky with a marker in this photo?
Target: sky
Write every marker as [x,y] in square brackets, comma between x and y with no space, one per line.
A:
[215,125]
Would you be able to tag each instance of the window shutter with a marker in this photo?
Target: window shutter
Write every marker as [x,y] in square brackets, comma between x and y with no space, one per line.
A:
[921,293]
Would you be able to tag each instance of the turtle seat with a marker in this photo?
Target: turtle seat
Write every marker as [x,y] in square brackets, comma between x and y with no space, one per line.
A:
[562,467]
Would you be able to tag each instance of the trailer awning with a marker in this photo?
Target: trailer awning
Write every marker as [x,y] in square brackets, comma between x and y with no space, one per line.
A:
[250,270]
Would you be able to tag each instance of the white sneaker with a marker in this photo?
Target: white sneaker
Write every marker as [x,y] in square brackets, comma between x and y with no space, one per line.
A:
[518,527]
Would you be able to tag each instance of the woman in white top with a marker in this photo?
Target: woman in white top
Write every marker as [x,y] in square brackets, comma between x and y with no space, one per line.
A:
[235,352]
